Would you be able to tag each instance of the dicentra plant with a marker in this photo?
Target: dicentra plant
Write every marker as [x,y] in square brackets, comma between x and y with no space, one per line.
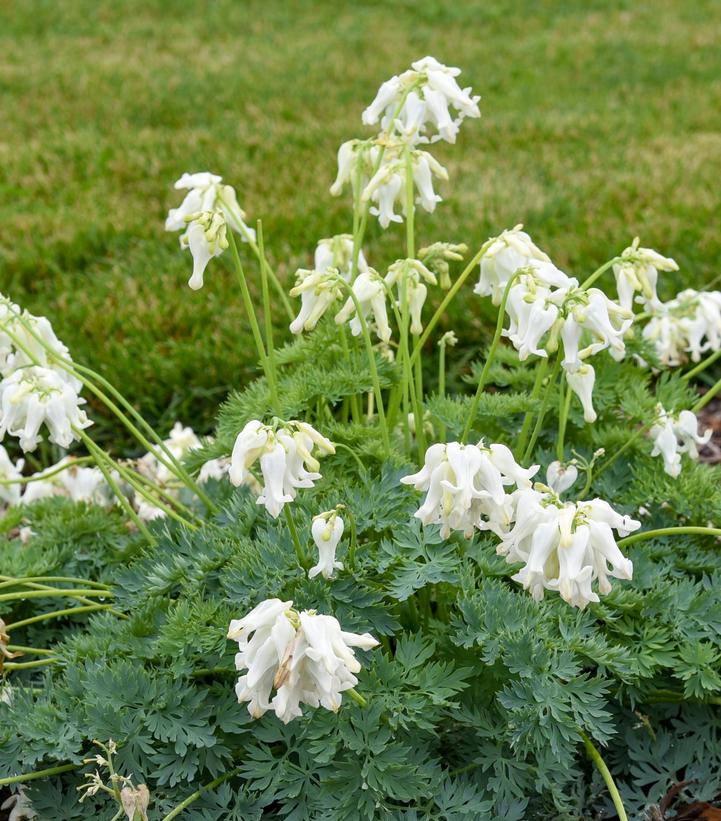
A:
[513,644]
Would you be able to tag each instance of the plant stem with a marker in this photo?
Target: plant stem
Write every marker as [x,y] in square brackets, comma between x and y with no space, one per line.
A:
[371,364]
[597,273]
[21,779]
[302,561]
[56,614]
[357,697]
[39,651]
[196,795]
[24,480]
[267,316]
[442,386]
[541,369]
[27,665]
[51,593]
[491,354]
[565,406]
[702,365]
[253,319]
[9,581]
[410,208]
[542,411]
[707,397]
[670,531]
[446,301]
[595,756]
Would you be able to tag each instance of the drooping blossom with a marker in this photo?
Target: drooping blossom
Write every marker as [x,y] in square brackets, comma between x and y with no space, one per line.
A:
[427,95]
[465,485]
[561,476]
[208,207]
[685,327]
[326,530]
[411,277]
[566,546]
[305,657]
[675,435]
[637,272]
[284,453]
[10,472]
[318,290]
[370,292]
[33,396]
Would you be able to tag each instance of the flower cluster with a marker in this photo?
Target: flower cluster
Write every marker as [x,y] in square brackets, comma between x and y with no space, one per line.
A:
[637,271]
[565,546]
[284,451]
[545,305]
[208,209]
[37,386]
[305,657]
[685,327]
[675,435]
[422,105]
[465,486]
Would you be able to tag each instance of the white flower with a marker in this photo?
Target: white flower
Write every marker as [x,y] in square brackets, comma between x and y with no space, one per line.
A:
[19,806]
[34,395]
[566,546]
[560,477]
[388,184]
[464,485]
[285,456]
[637,270]
[410,276]
[180,442]
[581,382]
[135,802]
[327,530]
[371,295]
[503,256]
[306,657]
[10,472]
[214,469]
[354,164]
[430,90]
[206,210]
[337,252]
[675,435]
[533,309]
[593,318]
[685,327]
[318,290]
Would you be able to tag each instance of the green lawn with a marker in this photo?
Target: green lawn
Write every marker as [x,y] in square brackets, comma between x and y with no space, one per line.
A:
[601,120]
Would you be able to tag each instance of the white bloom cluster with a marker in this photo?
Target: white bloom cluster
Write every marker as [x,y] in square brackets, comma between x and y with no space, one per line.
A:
[369,290]
[411,277]
[208,208]
[637,271]
[326,530]
[305,657]
[675,435]
[421,98]
[35,389]
[284,451]
[545,305]
[74,482]
[465,486]
[565,546]
[685,327]
[419,106]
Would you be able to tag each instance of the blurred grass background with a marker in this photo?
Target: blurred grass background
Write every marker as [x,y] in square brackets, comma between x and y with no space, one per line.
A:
[601,120]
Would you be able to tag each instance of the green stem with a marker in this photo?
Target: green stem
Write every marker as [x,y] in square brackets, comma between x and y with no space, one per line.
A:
[350,450]
[595,756]
[598,272]
[442,386]
[24,480]
[440,310]
[39,651]
[707,397]
[410,208]
[27,665]
[542,412]
[371,364]
[624,447]
[196,795]
[268,318]
[670,531]
[21,779]
[702,365]
[565,406]
[353,539]
[417,393]
[491,354]
[357,697]
[302,561]
[56,614]
[51,593]
[9,581]
[541,369]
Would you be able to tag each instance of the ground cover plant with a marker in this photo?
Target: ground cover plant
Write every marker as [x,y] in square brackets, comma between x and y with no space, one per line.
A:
[368,595]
